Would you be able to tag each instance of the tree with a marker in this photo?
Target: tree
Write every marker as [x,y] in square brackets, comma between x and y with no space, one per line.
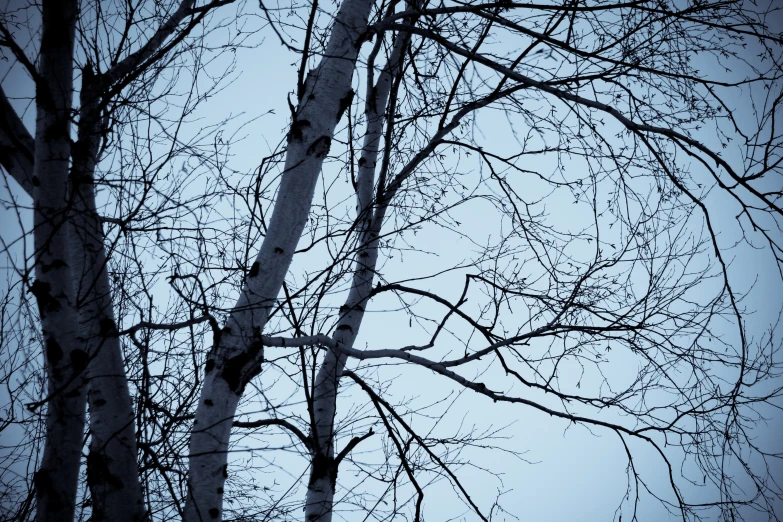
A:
[621,311]
[72,287]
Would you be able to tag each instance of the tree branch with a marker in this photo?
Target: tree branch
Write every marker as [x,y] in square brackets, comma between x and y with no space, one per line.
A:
[351,445]
[631,125]
[283,423]
[17,146]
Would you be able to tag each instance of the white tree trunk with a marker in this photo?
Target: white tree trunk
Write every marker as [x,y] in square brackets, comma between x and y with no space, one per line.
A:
[112,468]
[237,353]
[57,476]
[323,469]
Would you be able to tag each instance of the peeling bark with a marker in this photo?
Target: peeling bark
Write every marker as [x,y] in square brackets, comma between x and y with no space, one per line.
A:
[237,355]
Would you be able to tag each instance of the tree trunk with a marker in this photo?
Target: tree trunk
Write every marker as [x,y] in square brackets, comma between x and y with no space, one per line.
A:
[112,468]
[237,353]
[57,477]
[323,469]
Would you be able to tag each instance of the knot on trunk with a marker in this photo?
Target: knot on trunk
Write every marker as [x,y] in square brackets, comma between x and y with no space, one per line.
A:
[46,490]
[42,291]
[296,135]
[323,467]
[100,479]
[320,147]
[238,370]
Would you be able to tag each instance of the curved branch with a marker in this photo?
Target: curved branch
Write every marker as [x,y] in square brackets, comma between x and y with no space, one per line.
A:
[283,423]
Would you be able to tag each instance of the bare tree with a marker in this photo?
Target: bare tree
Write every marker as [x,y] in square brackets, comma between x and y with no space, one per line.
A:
[72,288]
[591,302]
[595,287]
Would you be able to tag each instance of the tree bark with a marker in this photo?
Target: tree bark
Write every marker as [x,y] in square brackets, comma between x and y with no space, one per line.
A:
[112,467]
[237,352]
[57,476]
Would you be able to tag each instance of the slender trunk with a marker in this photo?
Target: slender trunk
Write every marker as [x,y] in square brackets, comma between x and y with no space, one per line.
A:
[237,353]
[56,479]
[323,469]
[112,468]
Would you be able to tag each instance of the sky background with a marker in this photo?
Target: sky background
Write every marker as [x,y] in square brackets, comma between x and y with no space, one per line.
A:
[567,472]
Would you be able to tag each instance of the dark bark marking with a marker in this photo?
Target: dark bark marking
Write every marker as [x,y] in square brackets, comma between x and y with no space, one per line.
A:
[279,250]
[54,353]
[320,147]
[345,327]
[43,483]
[209,366]
[108,328]
[79,177]
[225,470]
[345,102]
[58,129]
[214,512]
[254,269]
[98,472]
[236,371]
[36,181]
[209,402]
[233,370]
[323,467]
[79,360]
[217,336]
[297,128]
[54,265]
[374,99]
[366,36]
[43,296]
[362,161]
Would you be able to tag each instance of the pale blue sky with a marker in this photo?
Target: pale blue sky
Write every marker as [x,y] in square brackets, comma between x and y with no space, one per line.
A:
[572,474]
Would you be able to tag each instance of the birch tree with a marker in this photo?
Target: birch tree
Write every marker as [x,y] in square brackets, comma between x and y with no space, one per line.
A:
[71,285]
[591,306]
[567,257]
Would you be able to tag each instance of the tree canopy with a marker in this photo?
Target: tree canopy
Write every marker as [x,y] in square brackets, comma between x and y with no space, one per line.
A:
[380,260]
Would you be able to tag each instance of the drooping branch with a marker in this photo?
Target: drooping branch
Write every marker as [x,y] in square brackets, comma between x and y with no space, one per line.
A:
[378,401]
[677,137]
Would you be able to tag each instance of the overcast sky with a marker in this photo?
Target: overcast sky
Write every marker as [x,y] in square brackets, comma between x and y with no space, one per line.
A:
[567,472]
